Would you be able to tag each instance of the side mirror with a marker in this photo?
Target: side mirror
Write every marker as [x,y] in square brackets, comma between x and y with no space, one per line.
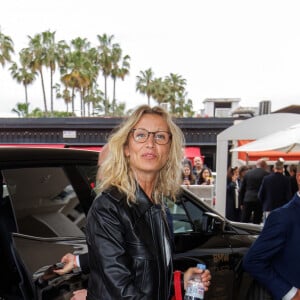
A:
[217,222]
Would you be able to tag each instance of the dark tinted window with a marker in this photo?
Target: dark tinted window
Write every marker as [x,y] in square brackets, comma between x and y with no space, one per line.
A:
[44,201]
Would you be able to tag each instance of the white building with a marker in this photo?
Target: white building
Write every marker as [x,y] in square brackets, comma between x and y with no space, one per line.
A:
[220,107]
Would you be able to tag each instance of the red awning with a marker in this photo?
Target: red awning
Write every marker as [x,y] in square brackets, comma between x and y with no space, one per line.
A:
[191,152]
[269,155]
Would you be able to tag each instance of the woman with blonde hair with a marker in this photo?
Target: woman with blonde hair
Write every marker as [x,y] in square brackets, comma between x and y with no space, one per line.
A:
[130,244]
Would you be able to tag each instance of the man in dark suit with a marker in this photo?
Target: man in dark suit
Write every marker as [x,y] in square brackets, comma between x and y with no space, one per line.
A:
[275,189]
[249,190]
[273,259]
[292,169]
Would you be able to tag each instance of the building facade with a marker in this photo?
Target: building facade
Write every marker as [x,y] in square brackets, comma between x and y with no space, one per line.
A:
[93,132]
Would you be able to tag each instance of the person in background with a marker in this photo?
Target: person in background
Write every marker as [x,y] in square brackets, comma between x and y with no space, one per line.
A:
[185,160]
[188,177]
[242,172]
[205,177]
[129,240]
[198,166]
[249,190]
[275,189]
[292,169]
[232,195]
[273,259]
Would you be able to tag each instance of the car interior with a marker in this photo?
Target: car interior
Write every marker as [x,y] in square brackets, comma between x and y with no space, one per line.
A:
[43,200]
[37,207]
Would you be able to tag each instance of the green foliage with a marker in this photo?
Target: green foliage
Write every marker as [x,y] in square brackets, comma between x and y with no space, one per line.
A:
[6,48]
[170,90]
[79,65]
[21,109]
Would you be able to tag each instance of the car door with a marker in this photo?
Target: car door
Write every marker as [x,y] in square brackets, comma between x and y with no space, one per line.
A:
[202,236]
[42,217]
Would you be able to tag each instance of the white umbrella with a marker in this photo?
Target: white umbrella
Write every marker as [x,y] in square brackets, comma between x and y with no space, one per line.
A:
[287,140]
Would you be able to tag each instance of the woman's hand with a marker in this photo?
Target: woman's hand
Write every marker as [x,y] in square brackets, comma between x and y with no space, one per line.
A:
[205,276]
[186,182]
[69,261]
[79,295]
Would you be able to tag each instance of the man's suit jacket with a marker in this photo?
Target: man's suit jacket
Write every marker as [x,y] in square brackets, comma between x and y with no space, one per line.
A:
[294,184]
[84,262]
[251,184]
[273,259]
[274,191]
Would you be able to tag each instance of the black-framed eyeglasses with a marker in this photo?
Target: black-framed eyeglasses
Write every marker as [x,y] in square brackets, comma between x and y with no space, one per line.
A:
[141,135]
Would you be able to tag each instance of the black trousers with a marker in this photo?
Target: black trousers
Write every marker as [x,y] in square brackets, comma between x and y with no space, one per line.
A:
[252,211]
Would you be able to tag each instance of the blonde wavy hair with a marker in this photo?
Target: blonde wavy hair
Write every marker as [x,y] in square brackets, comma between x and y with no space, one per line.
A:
[116,171]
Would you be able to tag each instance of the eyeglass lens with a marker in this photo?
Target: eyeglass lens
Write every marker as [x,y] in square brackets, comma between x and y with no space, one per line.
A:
[160,137]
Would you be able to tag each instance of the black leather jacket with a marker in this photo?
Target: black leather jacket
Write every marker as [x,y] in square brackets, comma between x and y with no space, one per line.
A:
[127,249]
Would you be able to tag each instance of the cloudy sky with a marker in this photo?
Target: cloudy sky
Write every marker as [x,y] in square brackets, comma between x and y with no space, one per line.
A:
[243,49]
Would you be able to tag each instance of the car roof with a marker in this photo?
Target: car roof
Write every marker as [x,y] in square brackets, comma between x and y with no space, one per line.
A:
[23,156]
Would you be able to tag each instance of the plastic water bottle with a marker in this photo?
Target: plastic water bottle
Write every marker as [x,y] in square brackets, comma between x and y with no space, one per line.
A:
[195,287]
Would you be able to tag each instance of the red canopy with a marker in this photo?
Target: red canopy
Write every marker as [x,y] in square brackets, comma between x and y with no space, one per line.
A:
[269,155]
[191,152]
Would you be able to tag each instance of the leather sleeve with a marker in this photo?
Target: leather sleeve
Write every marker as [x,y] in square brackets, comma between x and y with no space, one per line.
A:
[107,254]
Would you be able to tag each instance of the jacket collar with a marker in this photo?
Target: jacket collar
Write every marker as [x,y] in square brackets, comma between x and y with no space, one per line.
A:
[143,202]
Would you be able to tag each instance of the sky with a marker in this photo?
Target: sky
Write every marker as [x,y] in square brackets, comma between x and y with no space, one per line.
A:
[247,49]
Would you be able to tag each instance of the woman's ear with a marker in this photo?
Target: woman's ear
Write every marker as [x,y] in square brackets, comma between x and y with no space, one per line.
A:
[126,151]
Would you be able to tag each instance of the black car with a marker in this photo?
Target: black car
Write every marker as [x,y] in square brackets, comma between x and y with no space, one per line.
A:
[45,196]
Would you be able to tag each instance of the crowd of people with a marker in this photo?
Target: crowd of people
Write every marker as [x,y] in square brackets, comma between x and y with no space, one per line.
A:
[196,173]
[269,195]
[252,193]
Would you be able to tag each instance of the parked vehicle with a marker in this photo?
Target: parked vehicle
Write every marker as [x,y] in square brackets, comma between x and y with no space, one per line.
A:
[44,198]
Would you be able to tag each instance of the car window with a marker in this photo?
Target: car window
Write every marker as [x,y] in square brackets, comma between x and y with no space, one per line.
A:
[187,216]
[44,201]
[180,220]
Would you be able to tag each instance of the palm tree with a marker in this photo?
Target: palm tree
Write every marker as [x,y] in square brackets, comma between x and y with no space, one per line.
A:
[65,95]
[24,76]
[38,59]
[95,98]
[145,83]
[92,91]
[120,109]
[188,108]
[21,109]
[79,70]
[160,90]
[117,70]
[51,58]
[105,60]
[176,86]
[6,48]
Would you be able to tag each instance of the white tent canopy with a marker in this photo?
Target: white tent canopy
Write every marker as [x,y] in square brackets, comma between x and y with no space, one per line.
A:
[287,140]
[250,129]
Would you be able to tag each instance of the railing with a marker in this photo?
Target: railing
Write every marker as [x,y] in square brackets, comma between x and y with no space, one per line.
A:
[205,193]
